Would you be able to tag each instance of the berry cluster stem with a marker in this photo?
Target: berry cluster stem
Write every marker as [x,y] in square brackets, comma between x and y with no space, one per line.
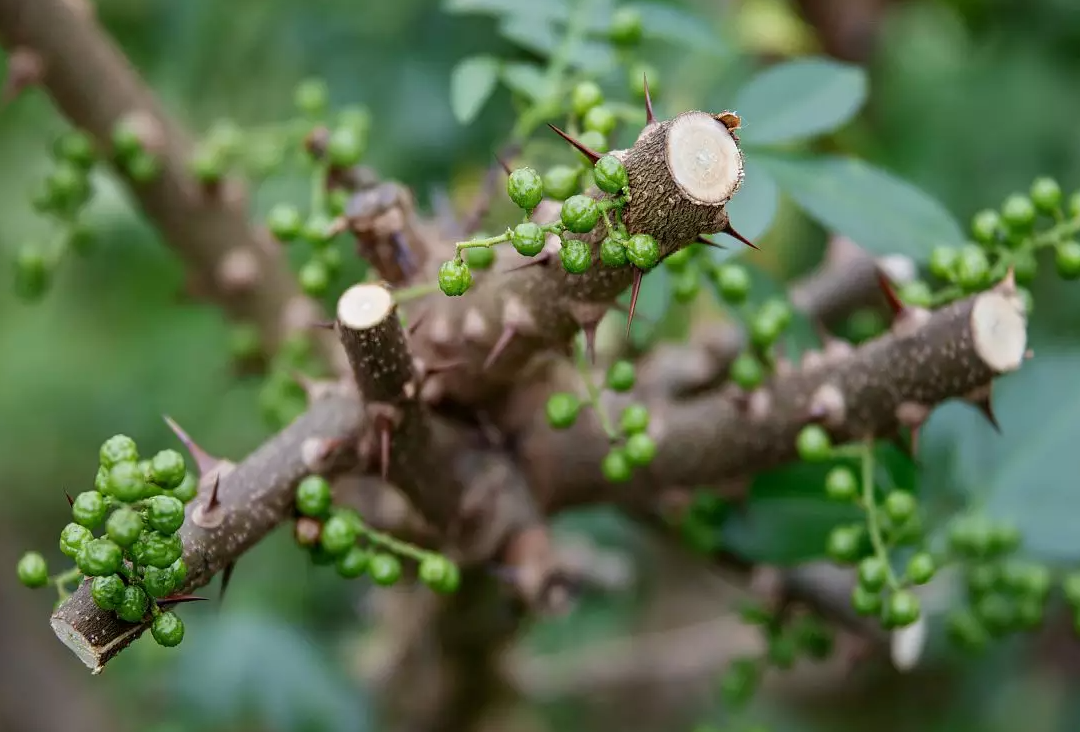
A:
[873,520]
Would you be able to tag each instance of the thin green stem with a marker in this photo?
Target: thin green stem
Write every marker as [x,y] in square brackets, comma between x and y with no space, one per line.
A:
[593,392]
[395,545]
[873,522]
[415,292]
[488,242]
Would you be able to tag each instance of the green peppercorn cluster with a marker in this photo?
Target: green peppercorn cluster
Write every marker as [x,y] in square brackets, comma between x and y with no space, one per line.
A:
[137,509]
[338,535]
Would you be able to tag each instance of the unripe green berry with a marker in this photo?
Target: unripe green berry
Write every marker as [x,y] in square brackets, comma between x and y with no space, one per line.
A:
[1018,212]
[865,602]
[873,573]
[525,188]
[73,537]
[687,285]
[1025,265]
[640,449]
[966,630]
[158,582]
[562,181]
[207,164]
[1004,537]
[167,469]
[455,278]
[89,509]
[917,293]
[621,376]
[338,535]
[679,260]
[902,609]
[636,77]
[643,251]
[134,605]
[575,256]
[33,272]
[841,484]
[317,230]
[480,257]
[143,166]
[626,26]
[997,611]
[127,482]
[900,506]
[585,96]
[118,449]
[579,214]
[352,563]
[107,591]
[981,578]
[75,147]
[813,444]
[845,543]
[613,252]
[312,96]
[285,222]
[986,226]
[594,141]
[616,466]
[167,629]
[124,526]
[188,488]
[562,410]
[1070,585]
[747,371]
[610,174]
[156,549]
[634,419]
[179,571]
[385,569]
[765,329]
[439,573]
[99,557]
[920,568]
[345,147]
[1046,195]
[1074,204]
[943,263]
[528,239]
[779,308]
[32,569]
[600,119]
[972,268]
[1067,259]
[126,141]
[733,282]
[165,514]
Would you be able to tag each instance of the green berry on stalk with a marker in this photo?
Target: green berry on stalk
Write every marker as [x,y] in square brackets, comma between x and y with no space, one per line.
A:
[76,147]
[127,482]
[352,563]
[561,181]
[165,514]
[943,263]
[585,96]
[747,371]
[643,251]
[167,469]
[124,526]
[285,222]
[594,141]
[98,557]
[733,282]
[525,188]
[613,252]
[636,78]
[986,225]
[167,629]
[1067,259]
[841,484]
[845,543]
[640,449]
[313,496]
[972,268]
[1004,537]
[1018,212]
[765,328]
[89,509]
[580,214]
[1046,195]
[679,260]
[143,166]
[997,612]
[32,272]
[917,293]
[528,239]
[634,419]
[338,535]
[157,549]
[920,568]
[126,141]
[316,230]
[1036,581]
[610,174]
[188,488]
[865,602]
[1025,265]
[32,569]
[900,506]
[158,582]
[68,186]
[626,26]
[616,467]
[966,630]
[118,449]
[873,573]
[438,573]
[312,96]
[345,147]
[779,308]
[385,569]
[134,605]
[687,285]
[455,278]
[207,164]
[72,539]
[575,256]
[600,119]
[562,410]
[107,591]
[179,572]
[902,609]
[621,376]
[813,444]
[981,578]
[480,257]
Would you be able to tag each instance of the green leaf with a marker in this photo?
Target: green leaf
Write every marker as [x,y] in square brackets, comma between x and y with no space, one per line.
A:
[471,82]
[670,23]
[541,11]
[799,99]
[878,211]
[525,79]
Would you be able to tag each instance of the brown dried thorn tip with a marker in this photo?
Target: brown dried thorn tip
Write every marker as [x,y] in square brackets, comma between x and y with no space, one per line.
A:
[896,305]
[214,498]
[649,116]
[501,345]
[589,153]
[177,599]
[736,235]
[204,460]
[71,501]
[706,242]
[635,290]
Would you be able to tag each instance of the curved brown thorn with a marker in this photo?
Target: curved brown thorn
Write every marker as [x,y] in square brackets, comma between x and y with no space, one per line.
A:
[706,242]
[736,235]
[505,337]
[214,498]
[589,153]
[226,577]
[71,501]
[896,305]
[177,599]
[649,116]
[635,290]
[204,460]
[985,406]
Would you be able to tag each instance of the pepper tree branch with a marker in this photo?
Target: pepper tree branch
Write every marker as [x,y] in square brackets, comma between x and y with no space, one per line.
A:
[95,87]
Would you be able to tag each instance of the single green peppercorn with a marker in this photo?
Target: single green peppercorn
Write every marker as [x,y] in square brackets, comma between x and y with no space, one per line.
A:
[585,96]
[179,571]
[352,563]
[845,543]
[33,570]
[157,549]
[525,188]
[134,605]
[902,609]
[1004,537]
[188,488]
[1067,259]
[616,467]
[125,525]
[434,570]
[747,371]
[98,557]
[165,514]
[986,226]
[580,214]
[981,578]
[338,535]
[1070,586]
[75,147]
[873,573]
[687,285]
[126,140]
[634,419]
[917,293]
[312,96]
[89,509]
[900,506]
[813,444]
[1025,265]
[575,256]
[562,181]
[600,119]
[733,282]
[1018,212]
[72,539]
[966,630]
[207,164]
[385,569]
[107,591]
[143,167]
[613,252]
[865,602]
[158,582]
[1046,195]
[480,257]
[621,376]
[562,410]
[167,469]
[997,611]
[167,629]
[33,272]
[313,496]
[841,484]
[314,278]
[943,263]
[920,568]
[285,222]
[610,174]
[626,26]
[765,329]
[643,251]
[118,449]
[127,482]
[455,278]
[528,239]
[345,147]
[972,268]
[640,449]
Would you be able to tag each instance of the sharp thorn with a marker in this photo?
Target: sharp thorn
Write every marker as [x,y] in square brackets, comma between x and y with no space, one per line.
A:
[896,305]
[706,242]
[589,153]
[501,344]
[736,235]
[71,501]
[226,577]
[590,341]
[177,599]
[649,116]
[503,164]
[384,450]
[203,460]
[214,498]
[444,366]
[635,290]
[986,407]
[324,324]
